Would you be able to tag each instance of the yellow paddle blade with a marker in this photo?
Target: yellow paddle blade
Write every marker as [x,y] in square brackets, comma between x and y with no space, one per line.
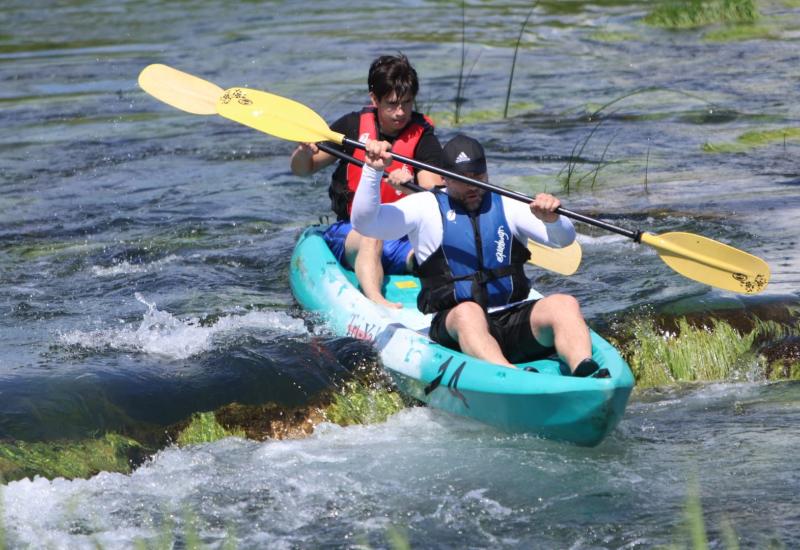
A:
[275,115]
[710,262]
[180,90]
[559,260]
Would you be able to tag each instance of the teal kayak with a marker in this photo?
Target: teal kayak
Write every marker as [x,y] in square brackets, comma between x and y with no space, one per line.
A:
[550,403]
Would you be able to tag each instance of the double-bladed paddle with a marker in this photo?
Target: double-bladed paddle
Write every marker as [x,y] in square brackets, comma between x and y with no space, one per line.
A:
[195,95]
[693,256]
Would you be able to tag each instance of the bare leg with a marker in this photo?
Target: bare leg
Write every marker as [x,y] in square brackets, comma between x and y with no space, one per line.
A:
[364,254]
[467,324]
[557,321]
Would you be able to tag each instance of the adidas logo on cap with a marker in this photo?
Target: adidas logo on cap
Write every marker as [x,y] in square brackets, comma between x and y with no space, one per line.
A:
[462,157]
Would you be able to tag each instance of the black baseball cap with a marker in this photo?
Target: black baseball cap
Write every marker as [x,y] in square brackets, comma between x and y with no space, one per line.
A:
[464,155]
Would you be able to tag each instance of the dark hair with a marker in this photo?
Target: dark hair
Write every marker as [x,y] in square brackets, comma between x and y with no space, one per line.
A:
[392,73]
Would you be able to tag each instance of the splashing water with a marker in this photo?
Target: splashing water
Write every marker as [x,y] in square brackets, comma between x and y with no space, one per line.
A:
[161,333]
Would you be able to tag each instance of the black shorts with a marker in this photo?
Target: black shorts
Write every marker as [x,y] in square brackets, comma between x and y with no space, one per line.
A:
[511,328]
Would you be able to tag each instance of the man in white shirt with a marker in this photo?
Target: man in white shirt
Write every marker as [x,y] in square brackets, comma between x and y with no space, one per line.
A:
[470,248]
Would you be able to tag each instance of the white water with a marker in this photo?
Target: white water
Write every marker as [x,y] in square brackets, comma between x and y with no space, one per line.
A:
[120,269]
[164,334]
[435,477]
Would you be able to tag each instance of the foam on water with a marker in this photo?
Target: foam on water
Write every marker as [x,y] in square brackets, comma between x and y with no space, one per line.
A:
[590,240]
[277,487]
[126,268]
[162,333]
[443,478]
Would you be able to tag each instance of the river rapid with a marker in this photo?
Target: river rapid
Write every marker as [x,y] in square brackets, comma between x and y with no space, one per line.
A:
[144,258]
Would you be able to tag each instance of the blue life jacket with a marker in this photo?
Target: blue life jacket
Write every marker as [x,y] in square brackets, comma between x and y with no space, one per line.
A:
[479,259]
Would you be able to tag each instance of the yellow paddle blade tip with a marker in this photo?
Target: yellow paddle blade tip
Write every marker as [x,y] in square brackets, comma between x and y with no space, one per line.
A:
[711,262]
[179,89]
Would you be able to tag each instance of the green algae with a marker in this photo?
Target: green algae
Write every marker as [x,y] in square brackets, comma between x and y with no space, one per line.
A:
[35,251]
[204,428]
[360,403]
[737,33]
[613,37]
[753,139]
[690,14]
[69,459]
[447,119]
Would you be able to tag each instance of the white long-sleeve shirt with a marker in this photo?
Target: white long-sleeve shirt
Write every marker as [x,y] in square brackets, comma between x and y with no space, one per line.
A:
[418,216]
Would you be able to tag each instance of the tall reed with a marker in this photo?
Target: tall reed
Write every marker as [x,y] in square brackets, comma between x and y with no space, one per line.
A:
[461,83]
[514,60]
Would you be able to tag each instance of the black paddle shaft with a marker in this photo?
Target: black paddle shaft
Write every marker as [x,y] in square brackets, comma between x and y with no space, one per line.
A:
[635,235]
[353,160]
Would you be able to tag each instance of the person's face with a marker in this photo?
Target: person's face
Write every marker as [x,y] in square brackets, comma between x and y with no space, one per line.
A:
[394,113]
[468,195]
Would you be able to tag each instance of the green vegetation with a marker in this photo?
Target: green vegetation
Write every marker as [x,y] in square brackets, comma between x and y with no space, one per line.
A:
[360,403]
[397,538]
[689,14]
[693,533]
[694,516]
[183,534]
[447,119]
[613,37]
[741,32]
[753,139]
[68,459]
[715,351]
[706,353]
[514,60]
[204,428]
[35,250]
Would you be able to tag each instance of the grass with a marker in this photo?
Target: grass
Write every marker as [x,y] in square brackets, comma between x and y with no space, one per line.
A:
[712,352]
[715,351]
[514,59]
[690,14]
[204,428]
[567,174]
[694,516]
[359,403]
[461,80]
[68,459]
[568,177]
[694,533]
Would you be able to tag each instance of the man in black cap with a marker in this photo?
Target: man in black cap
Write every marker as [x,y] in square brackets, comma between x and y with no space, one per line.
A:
[470,249]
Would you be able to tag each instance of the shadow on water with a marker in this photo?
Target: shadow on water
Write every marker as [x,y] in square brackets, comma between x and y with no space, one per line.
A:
[141,395]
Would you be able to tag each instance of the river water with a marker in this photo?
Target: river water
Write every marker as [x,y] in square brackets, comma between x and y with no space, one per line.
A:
[144,271]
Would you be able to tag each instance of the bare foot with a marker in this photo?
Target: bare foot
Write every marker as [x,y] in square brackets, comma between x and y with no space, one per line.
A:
[381,301]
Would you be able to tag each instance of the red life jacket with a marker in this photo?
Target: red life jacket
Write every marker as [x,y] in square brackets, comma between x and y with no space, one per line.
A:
[405,144]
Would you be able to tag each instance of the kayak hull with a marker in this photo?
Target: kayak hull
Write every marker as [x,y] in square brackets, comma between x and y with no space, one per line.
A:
[550,403]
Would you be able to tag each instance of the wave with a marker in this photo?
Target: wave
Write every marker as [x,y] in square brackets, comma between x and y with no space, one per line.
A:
[164,334]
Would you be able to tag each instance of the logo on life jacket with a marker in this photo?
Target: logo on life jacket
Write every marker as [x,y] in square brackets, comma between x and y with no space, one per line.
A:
[363,137]
[451,215]
[502,237]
